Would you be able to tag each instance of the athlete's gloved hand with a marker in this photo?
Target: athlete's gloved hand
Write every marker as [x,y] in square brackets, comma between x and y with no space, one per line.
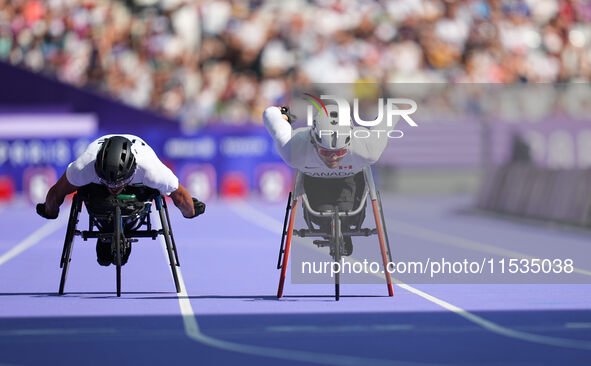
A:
[290,117]
[199,208]
[41,212]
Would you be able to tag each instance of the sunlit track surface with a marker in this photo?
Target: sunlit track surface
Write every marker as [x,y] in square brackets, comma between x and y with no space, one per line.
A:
[229,312]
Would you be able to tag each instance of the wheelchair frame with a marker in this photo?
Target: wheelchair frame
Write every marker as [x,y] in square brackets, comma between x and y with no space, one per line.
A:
[118,234]
[336,234]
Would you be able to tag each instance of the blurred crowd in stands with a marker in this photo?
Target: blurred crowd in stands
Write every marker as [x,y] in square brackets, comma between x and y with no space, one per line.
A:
[206,61]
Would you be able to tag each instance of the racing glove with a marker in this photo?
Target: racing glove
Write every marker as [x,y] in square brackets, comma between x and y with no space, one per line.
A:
[41,212]
[290,117]
[199,208]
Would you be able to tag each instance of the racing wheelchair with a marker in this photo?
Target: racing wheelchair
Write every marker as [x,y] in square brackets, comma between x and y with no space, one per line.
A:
[336,232]
[122,219]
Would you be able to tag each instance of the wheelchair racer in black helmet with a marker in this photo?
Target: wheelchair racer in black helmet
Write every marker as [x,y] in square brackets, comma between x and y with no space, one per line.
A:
[109,165]
[115,163]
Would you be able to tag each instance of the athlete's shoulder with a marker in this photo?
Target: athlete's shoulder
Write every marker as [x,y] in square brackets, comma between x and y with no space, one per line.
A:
[137,142]
[302,132]
[300,137]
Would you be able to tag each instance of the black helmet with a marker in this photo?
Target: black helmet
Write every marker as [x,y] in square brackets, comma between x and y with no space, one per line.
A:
[115,163]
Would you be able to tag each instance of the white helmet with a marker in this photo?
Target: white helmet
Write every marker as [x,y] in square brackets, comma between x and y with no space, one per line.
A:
[326,131]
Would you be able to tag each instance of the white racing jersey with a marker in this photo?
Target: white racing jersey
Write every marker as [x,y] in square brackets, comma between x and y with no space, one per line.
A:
[298,151]
[150,171]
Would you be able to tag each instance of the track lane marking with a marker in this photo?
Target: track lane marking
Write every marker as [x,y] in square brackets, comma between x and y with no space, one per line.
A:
[55,332]
[194,332]
[31,240]
[459,242]
[340,328]
[265,221]
[34,238]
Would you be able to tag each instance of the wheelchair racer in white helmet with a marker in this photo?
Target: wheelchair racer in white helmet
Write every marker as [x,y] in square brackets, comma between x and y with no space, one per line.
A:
[329,155]
[332,140]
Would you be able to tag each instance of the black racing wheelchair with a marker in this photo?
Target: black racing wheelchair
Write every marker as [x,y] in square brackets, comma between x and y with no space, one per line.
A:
[333,236]
[119,220]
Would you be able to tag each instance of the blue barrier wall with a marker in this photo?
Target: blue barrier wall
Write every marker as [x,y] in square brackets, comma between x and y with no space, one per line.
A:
[228,149]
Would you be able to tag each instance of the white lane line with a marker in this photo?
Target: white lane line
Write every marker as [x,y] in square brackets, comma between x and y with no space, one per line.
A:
[55,332]
[497,328]
[253,215]
[34,238]
[193,332]
[340,328]
[578,325]
[456,241]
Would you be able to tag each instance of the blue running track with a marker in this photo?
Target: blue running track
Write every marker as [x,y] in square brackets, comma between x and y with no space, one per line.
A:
[227,313]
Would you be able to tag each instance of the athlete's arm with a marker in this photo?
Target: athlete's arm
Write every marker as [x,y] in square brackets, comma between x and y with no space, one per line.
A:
[55,196]
[154,174]
[183,200]
[372,148]
[277,125]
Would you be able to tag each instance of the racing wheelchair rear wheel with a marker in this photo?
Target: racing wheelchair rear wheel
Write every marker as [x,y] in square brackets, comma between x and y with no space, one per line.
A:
[70,232]
[170,249]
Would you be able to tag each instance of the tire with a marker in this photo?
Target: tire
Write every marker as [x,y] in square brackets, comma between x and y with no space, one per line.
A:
[283,232]
[67,251]
[384,228]
[117,241]
[337,242]
[176,255]
[169,250]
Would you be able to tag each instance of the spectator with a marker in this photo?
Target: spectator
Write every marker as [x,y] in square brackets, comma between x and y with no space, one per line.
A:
[212,61]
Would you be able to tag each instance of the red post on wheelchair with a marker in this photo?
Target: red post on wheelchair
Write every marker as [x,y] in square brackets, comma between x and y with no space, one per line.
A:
[287,248]
[380,229]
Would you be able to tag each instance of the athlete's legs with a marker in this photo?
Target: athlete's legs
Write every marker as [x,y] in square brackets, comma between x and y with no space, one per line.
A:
[99,201]
[325,193]
[346,193]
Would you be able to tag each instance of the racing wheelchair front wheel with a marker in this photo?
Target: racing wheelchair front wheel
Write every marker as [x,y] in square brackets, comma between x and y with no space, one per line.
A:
[117,239]
[336,243]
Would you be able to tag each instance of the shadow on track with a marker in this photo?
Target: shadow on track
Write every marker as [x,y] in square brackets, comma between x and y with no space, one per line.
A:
[413,337]
[74,294]
[258,297]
